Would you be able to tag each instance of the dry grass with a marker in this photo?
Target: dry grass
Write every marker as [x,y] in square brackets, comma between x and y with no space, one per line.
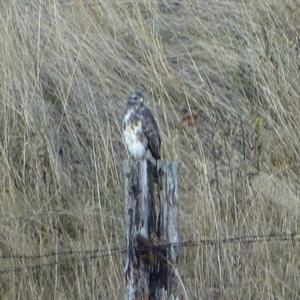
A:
[66,69]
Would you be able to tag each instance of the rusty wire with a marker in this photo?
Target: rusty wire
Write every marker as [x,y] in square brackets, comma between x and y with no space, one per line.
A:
[86,255]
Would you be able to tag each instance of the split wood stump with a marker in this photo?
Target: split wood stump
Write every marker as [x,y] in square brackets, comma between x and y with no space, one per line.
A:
[151,221]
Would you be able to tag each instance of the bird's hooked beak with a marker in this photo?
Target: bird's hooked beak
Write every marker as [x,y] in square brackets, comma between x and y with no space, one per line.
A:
[136,98]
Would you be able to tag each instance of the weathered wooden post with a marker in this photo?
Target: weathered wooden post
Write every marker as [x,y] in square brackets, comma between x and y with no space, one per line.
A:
[137,215]
[151,239]
[168,229]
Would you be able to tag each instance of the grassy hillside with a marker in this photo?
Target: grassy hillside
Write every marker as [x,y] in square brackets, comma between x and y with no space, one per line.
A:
[66,70]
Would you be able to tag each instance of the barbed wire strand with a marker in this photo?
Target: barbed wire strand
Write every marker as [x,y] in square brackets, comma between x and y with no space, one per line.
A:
[58,253]
[86,255]
[185,243]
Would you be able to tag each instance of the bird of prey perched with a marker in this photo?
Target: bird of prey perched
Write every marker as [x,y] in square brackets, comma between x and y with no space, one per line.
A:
[140,130]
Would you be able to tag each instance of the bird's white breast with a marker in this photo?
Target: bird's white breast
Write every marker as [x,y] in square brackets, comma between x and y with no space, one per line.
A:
[133,136]
[127,116]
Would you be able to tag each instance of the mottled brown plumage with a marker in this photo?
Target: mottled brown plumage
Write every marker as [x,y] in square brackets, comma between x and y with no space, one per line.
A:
[141,133]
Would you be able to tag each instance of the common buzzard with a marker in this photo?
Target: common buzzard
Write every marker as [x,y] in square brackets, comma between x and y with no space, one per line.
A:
[140,130]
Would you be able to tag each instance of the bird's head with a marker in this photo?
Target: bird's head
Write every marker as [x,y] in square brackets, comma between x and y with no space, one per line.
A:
[135,99]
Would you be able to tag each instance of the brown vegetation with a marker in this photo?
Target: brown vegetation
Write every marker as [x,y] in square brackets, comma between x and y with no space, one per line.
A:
[66,69]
